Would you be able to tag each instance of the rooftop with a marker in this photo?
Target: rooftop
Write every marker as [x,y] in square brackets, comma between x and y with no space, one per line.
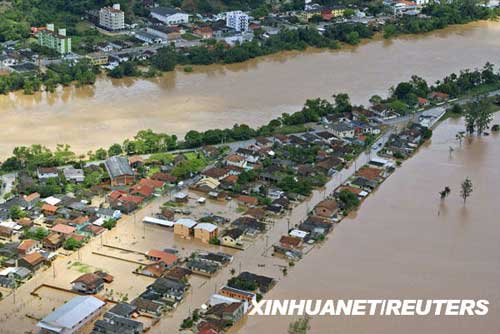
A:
[70,314]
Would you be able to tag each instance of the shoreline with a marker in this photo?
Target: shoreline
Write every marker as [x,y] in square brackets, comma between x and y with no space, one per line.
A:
[210,96]
[282,55]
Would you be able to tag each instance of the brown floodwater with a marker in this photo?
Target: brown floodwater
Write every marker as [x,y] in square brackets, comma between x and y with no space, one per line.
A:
[252,92]
[405,242]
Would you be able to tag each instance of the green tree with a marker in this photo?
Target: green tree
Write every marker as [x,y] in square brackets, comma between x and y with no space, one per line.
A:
[109,224]
[16,212]
[115,149]
[300,326]
[71,244]
[466,189]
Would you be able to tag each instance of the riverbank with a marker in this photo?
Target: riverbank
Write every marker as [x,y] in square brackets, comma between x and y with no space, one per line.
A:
[218,96]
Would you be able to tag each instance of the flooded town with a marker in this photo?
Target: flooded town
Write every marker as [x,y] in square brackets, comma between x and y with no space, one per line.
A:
[177,199]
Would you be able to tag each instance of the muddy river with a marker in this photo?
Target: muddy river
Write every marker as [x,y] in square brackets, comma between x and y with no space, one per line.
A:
[252,92]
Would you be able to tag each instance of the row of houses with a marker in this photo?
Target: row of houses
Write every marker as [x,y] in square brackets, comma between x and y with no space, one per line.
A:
[229,305]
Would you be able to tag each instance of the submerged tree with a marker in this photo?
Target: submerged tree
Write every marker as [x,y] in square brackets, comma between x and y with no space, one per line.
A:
[466,190]
[478,116]
[445,192]
[300,326]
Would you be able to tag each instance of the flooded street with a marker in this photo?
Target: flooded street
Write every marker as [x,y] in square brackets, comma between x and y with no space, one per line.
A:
[406,243]
[252,92]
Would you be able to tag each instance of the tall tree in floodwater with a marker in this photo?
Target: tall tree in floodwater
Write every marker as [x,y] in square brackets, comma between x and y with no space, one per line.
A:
[478,116]
[466,189]
[300,326]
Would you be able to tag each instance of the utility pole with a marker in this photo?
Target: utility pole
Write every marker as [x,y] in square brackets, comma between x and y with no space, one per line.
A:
[267,241]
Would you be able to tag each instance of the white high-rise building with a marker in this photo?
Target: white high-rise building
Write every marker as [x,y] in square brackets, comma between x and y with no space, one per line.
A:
[237,20]
[112,18]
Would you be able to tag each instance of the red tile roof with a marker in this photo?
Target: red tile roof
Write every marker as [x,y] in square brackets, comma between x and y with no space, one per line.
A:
[49,208]
[164,257]
[142,190]
[26,244]
[63,229]
[34,258]
[151,183]
[248,200]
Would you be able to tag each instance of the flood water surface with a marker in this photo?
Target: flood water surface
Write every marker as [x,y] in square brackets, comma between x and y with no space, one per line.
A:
[252,92]
[405,243]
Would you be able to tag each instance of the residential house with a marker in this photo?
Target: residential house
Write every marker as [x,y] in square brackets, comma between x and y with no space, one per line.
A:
[207,184]
[343,130]
[168,288]
[329,166]
[152,307]
[232,238]
[53,241]
[119,171]
[72,174]
[5,231]
[370,173]
[264,283]
[28,246]
[290,242]
[364,183]
[49,210]
[206,232]
[216,173]
[202,267]
[242,295]
[326,208]
[204,32]
[257,213]
[439,96]
[45,173]
[247,200]
[181,197]
[184,228]
[31,200]
[217,258]
[235,160]
[168,259]
[316,226]
[151,183]
[142,191]
[155,270]
[249,225]
[25,222]
[114,324]
[164,177]
[88,283]
[16,273]
[32,261]
[178,273]
[232,312]
[63,230]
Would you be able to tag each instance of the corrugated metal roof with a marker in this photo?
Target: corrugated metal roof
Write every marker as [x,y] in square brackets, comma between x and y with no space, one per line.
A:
[118,166]
[69,314]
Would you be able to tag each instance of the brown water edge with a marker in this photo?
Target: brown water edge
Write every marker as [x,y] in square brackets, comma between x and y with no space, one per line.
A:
[252,92]
[405,243]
